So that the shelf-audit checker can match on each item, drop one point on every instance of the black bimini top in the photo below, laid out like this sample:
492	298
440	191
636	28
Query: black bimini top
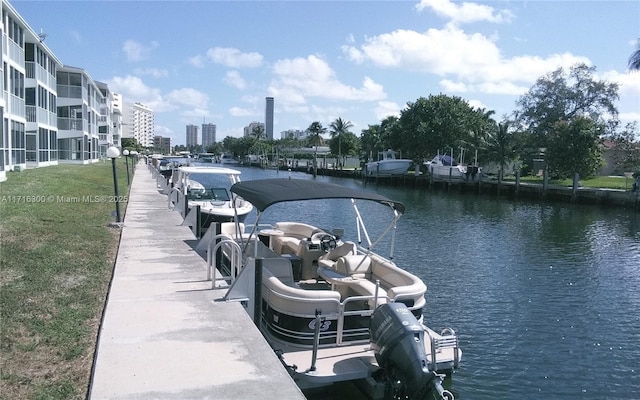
266	192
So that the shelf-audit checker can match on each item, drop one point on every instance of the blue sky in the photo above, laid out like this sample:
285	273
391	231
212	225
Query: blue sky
216	61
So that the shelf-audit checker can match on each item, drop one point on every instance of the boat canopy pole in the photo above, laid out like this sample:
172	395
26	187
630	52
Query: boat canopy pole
392	226
361	223
253	230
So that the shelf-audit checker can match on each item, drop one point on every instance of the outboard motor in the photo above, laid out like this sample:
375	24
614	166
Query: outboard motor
397	339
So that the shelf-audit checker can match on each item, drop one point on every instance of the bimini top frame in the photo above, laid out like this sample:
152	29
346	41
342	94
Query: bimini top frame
264	193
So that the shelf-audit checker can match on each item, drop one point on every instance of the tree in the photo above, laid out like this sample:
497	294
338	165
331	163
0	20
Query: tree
500	146
347	143
316	130
561	96
130	144
339	127
627	150
634	60
258	132
574	147
437	123
370	142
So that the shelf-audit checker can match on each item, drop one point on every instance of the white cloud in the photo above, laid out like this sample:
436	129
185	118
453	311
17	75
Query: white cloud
136	51
243	112
385	109
187	97
197	61
467	62
133	89
298	78
234	58
154	72
234	79
465	12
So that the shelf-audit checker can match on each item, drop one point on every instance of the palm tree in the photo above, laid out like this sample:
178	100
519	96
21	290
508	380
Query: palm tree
258	132
338	128
634	60
500	147
315	138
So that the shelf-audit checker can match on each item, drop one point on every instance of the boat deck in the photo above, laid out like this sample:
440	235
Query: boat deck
349	362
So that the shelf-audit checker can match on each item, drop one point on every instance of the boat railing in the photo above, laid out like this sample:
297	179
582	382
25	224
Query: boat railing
235	258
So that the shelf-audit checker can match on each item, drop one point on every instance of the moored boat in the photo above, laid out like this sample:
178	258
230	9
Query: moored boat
387	165
334	309
445	167
212	194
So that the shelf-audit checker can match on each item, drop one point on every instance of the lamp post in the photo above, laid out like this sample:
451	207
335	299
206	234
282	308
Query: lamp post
113	153
125	153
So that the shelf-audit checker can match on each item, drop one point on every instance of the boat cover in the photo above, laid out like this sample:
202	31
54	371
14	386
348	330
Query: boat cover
266	192
447	160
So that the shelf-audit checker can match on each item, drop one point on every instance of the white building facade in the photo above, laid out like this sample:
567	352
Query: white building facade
138	123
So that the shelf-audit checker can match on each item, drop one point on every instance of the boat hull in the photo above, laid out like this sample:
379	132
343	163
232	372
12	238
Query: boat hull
388	167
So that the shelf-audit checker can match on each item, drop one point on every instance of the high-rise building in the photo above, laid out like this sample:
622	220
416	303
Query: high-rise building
268	118
138	123
192	135
208	135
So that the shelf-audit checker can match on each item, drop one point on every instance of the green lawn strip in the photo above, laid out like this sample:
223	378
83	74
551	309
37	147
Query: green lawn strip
56	261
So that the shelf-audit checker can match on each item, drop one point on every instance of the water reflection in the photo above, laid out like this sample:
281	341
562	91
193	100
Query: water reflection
545	296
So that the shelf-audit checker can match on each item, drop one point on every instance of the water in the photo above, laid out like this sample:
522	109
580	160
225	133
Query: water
544	296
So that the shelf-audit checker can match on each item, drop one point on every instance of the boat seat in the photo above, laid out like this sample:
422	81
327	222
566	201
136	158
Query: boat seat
280	268
293	232
357	266
329	259
284	295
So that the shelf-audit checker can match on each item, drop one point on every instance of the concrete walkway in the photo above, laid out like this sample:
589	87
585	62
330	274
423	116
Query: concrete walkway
162	335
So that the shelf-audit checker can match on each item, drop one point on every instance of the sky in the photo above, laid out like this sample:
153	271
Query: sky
216	61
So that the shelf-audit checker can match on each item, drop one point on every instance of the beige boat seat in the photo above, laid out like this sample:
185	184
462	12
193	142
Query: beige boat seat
329	259
358	267
284	295
293	232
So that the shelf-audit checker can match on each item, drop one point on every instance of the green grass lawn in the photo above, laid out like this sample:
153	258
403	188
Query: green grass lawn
57	253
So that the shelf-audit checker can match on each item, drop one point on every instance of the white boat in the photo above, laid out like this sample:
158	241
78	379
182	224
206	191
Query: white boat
206	157
215	201
444	167
332	309
227	158
387	165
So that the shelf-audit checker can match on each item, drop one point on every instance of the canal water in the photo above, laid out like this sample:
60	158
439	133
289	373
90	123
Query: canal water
545	297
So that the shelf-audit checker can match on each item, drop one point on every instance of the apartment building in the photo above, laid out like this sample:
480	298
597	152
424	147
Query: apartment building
192	135
79	102
208	135
162	144
28	104
53	113
138	123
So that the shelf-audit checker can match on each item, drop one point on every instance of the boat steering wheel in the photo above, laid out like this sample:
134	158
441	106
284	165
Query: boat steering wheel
328	242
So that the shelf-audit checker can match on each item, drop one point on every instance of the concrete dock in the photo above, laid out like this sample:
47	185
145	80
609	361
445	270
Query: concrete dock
163	334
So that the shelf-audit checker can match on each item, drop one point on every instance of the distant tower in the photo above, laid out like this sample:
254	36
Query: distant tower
192	135
208	134
268	119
